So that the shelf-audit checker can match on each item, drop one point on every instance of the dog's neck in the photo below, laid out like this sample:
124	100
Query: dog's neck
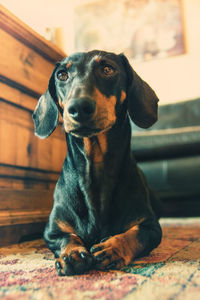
105	150
95	149
99	161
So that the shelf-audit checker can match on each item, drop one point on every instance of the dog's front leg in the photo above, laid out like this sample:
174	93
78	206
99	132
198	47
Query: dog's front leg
119	250
71	255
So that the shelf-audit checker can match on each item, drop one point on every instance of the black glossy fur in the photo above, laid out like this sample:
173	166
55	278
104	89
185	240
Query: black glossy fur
102	215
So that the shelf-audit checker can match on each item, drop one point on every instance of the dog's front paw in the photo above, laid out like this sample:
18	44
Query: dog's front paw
75	260
117	251
114	253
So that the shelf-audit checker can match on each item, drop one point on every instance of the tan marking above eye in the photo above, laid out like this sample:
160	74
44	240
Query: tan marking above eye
97	58
69	64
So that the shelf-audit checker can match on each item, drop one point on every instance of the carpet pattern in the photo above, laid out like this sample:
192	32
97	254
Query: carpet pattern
172	271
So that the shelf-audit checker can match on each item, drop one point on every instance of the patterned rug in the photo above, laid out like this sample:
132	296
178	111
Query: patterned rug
172	271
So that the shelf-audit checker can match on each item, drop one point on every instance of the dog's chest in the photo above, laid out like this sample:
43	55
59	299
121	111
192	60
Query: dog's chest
97	191
94	210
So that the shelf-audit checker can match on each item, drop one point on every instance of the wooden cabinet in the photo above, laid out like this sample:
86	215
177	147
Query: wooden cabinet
29	167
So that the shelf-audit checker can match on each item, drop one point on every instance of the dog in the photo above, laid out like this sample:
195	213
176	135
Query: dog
102	216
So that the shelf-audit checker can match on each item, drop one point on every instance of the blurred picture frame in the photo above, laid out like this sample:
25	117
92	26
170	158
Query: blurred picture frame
141	29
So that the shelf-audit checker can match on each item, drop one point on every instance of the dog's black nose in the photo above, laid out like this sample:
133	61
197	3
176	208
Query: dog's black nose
81	109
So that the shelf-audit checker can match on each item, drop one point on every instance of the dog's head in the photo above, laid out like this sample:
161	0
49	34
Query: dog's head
90	89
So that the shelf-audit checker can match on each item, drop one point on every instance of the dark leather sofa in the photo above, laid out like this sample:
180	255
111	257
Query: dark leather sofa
169	155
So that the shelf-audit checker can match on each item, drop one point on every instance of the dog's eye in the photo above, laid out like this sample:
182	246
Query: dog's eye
108	70
62	75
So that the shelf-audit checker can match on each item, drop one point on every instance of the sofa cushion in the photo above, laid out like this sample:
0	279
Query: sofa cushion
177	133
166	143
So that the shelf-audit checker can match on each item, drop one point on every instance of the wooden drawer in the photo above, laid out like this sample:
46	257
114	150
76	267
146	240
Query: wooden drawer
29	167
26	66
19	145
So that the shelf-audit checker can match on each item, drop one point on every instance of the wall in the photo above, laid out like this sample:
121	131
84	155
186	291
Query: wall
174	79
178	78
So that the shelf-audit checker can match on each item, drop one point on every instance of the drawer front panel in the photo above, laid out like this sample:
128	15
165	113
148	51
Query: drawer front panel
23	65
20	147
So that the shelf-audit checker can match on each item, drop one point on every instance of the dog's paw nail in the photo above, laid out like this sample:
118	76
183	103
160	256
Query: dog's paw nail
95	249
58	265
83	255
104	239
59	268
65	259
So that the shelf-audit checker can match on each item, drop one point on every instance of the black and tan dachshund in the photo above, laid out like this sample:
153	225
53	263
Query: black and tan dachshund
102	216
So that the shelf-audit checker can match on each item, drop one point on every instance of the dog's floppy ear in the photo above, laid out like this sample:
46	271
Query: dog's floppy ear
45	115
142	100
